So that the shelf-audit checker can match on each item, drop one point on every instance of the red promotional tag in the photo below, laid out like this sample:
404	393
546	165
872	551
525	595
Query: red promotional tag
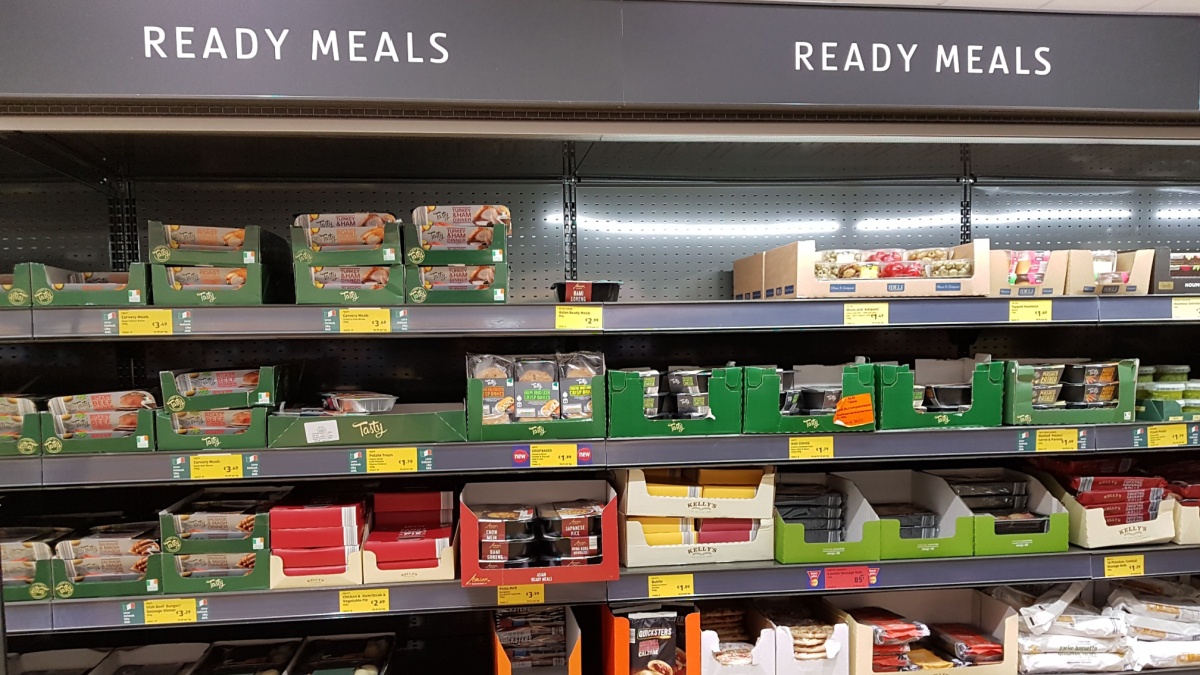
847	577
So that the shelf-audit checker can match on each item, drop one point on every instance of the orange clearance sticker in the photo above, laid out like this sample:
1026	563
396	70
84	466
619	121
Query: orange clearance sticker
855	411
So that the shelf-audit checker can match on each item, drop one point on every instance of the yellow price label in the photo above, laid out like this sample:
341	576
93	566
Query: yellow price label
1124	565
865	314
553	455
670	585
1056	440
1030	310
215	467
374	320
145	322
578	317
391	460
525	594
177	610
810	447
1187	309
1166	435
367	600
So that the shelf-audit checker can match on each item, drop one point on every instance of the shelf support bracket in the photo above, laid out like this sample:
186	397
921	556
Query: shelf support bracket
570	183
967	179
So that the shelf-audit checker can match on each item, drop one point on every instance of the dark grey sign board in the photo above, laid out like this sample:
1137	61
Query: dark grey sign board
595	53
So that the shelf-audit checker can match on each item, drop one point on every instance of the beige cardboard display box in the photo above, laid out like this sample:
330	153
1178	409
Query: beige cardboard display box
1054	279
1187	524
636	501
635	552
353	576
444	570
1089	529
81	660
187	653
1081	273
762	657
748	277
956	605
837	648
790	272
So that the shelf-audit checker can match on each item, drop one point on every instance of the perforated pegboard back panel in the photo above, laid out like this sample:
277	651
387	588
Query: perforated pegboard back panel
679	243
1086	161
535	249
60	223
1057	217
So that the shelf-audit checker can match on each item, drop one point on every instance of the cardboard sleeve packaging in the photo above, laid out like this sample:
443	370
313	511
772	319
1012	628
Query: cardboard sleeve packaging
1162	282
1081	274
534	493
862	527
995	618
956	522
1054	280
635	552
789	272
183	654
637	501
614	635
574	640
319	537
1089	529
1041	502
349	513
443	570
352	575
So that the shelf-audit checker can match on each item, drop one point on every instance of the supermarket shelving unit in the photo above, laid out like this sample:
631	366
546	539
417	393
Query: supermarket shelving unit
662	200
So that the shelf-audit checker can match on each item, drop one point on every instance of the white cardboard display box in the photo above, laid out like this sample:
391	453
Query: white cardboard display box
762	657
635	552
635	500
1089	529
187	653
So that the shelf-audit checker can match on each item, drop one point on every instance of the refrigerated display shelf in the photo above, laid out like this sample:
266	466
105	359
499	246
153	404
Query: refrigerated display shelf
466	458
93	323
766	578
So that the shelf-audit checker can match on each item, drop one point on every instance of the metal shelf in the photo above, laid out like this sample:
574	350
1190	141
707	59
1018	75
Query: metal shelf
158	467
466	458
315	603
720	580
88	323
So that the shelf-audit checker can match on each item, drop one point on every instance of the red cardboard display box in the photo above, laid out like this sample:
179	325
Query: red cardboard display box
532	493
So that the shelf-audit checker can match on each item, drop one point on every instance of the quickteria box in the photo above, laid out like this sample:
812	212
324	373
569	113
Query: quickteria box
220	246
17	293
57	287
377	244
141	440
627	407
855	409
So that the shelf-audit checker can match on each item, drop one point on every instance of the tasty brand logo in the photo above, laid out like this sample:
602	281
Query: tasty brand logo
416	254
370	429
38	591
207	296
538	430
304	256
212	442
26	446
677	427
216	583
350	296
44	296
17	296
53	445
812	424
64	589
176	403
418	295
161	254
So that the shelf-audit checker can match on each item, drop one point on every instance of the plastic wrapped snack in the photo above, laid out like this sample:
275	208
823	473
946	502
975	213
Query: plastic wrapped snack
324	220
457	277
1070	644
1155	606
1036	664
350	277
479	214
909	515
576	371
113	400
217	382
203	238
536	389
966	642
496	375
807	494
198	278
888	627
344	238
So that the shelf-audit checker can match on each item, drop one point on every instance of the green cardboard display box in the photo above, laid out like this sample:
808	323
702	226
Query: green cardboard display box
260	287
253	438
257	579
66	587
862	527
142	439
419	293
257	246
51	287
1041	502
175	538
577	429
956	523
627	417
1145	410
410	423
895	393
418	253
762	406
310	255
267	393
307	293
29	443
1018	398
16	287
41	588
